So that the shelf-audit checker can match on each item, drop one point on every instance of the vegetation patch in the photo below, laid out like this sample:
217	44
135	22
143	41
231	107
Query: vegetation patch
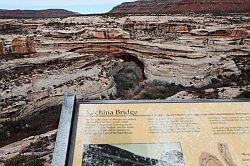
244	95
128	79
22	160
160	90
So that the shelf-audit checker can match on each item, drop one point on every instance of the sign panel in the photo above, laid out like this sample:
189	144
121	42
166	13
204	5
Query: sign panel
162	134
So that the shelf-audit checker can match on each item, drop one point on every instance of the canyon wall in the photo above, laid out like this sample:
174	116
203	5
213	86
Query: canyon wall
113	57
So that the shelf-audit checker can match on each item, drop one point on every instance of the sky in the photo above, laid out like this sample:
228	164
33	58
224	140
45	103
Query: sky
81	6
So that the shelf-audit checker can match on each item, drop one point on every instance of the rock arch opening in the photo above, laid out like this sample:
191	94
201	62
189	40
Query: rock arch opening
130	78
126	57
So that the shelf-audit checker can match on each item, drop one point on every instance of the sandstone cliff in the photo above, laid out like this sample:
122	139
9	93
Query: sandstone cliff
183	6
18	45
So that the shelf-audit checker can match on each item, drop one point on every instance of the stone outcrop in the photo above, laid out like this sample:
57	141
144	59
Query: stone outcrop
182	6
27	147
104	33
23	46
140	30
93	77
91	33
184	66
236	32
165	27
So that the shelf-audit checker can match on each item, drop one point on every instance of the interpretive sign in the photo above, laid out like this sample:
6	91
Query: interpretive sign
160	133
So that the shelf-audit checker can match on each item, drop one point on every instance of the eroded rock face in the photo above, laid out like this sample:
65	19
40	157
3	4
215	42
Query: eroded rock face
187	67
239	32
23	46
70	72
105	34
164	27
90	51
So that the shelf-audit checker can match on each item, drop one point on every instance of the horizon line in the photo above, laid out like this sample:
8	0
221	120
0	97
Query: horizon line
87	9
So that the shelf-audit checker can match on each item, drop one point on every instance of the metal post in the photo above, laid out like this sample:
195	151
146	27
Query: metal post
60	155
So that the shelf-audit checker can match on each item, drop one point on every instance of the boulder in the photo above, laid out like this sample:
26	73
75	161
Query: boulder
117	33
97	34
23	46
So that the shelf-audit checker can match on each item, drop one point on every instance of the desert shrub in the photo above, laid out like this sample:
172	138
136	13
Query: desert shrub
160	90
127	79
217	12
245	94
39	145
21	160
15	127
12	126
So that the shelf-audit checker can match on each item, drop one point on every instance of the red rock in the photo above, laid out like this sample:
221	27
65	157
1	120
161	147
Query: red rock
117	34
239	33
2	49
182	6
105	34
23	46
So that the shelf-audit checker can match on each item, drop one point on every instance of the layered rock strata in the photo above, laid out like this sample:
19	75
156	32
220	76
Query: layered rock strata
182	6
23	46
90	33
176	53
108	57
20	46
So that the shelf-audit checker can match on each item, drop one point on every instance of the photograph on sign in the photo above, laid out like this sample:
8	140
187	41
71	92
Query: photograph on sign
133	154
158	134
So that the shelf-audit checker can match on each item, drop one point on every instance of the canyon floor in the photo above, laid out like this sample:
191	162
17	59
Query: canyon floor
112	56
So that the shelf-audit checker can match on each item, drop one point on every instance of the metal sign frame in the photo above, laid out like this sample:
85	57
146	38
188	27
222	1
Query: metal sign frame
64	146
